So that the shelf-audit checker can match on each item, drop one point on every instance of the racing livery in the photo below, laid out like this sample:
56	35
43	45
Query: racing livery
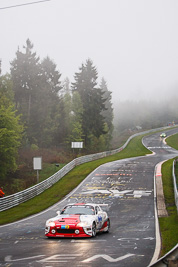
78	220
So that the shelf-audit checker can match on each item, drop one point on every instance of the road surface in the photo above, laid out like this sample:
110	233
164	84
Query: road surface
127	186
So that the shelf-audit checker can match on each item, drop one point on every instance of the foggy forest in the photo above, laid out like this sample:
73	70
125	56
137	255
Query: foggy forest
41	111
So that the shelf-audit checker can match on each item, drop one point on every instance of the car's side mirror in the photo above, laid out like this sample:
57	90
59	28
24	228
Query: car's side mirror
58	212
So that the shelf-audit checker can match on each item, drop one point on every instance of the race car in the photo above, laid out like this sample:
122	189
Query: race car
163	135
78	220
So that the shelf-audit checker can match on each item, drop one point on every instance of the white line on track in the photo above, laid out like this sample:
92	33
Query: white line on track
108	258
87	241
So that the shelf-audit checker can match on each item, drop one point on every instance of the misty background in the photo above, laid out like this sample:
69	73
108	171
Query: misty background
91	71
133	44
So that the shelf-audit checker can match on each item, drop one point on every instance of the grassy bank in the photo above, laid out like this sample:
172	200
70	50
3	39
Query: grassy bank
168	225
173	141
68	183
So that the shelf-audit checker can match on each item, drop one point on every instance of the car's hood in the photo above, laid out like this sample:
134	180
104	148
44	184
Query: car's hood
67	219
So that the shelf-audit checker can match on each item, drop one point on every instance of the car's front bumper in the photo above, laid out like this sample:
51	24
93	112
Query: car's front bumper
69	232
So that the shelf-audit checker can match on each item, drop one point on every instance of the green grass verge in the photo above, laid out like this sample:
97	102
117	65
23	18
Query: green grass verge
48	170
68	183
173	141
168	225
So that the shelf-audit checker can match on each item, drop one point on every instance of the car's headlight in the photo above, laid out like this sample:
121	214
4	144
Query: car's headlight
50	223
83	224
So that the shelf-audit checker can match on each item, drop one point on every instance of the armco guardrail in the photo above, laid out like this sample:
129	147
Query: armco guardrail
170	259
175	183
20	197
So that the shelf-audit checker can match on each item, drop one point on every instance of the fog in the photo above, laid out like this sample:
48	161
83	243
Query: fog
133	43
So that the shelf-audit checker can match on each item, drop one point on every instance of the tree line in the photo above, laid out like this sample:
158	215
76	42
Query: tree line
146	114
38	109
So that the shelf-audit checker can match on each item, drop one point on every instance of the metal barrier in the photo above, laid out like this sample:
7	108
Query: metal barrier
22	196
170	259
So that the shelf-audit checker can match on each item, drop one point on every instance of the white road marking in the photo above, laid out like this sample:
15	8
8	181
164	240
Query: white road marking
108	258
86	241
117	193
128	242
128	239
9	258
97	191
138	193
60	258
120	192
137	196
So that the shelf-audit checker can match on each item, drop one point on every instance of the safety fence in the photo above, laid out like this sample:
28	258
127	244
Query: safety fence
22	196
170	259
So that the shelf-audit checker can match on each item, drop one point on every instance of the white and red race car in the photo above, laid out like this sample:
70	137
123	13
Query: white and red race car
78	220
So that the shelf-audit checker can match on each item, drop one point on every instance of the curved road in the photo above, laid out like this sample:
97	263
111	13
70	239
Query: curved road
127	186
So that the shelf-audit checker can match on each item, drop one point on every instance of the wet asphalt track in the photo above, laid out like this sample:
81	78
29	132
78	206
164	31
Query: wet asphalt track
127	186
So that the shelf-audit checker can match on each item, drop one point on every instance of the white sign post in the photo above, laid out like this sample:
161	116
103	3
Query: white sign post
37	165
77	144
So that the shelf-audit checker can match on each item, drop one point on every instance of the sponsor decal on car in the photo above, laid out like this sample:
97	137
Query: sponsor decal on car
64	226
100	218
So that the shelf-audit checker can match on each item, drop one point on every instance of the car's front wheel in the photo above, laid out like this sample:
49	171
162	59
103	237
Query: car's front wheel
93	229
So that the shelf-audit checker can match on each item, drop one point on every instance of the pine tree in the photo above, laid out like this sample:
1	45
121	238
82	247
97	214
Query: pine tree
50	101
51	77
36	87
25	73
108	112
76	132
92	100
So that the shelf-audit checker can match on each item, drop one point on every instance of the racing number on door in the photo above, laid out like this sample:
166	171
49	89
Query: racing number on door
99	217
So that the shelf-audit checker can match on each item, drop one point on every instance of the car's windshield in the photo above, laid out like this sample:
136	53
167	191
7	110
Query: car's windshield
81	210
